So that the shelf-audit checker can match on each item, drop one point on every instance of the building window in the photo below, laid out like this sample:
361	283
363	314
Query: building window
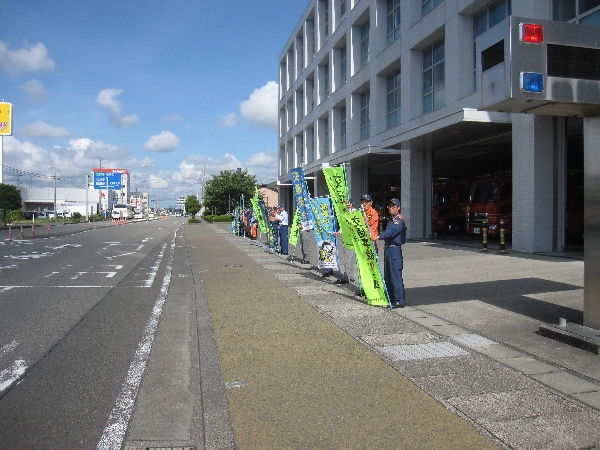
300	143
586	12
326	17
428	5
365	118
393	20
326	136
494	14
393	99
364	44
326	89
342	7
434	95
343	128
343	68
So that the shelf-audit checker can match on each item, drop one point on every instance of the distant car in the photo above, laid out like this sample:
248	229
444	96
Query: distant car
64	214
138	215
178	214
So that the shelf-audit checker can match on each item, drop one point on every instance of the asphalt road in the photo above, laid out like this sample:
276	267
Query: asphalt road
78	314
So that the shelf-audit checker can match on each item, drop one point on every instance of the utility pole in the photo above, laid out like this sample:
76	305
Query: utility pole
55	192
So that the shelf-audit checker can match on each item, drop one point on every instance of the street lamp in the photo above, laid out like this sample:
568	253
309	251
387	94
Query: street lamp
148	166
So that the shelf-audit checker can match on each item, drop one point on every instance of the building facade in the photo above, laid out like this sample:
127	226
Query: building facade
389	88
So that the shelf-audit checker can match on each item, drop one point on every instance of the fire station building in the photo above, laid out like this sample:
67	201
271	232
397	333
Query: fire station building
393	90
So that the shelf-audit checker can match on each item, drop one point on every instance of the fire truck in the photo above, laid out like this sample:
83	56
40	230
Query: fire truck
449	204
490	200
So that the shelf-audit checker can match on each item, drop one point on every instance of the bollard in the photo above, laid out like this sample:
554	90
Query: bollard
89	224
48	230
32	231
502	241
9	233
21	233
484	232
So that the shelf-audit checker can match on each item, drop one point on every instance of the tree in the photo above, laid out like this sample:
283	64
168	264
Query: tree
223	191
10	198
192	205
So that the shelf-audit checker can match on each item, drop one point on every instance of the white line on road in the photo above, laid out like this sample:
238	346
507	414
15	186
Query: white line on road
154	268
8	348
13	373
118	421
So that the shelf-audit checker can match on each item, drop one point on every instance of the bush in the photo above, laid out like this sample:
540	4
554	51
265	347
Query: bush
14	215
193	220
212	219
95	217
77	217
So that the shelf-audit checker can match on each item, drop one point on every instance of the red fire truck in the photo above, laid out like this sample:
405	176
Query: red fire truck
490	200
449	204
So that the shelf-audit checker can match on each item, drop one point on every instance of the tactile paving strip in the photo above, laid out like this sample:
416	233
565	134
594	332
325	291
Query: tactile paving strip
424	351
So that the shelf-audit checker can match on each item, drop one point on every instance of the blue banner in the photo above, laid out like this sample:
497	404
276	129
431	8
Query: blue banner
107	181
324	227
301	195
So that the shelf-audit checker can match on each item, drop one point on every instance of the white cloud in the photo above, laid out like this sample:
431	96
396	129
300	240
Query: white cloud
41	129
107	99
35	91
163	142
228	121
261	108
23	155
32	59
267	159
170	118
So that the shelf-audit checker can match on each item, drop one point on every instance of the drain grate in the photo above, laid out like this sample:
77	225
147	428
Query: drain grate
472	340
187	447
424	351
234	265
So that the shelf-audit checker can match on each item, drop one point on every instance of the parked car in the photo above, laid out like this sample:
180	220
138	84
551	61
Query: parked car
64	214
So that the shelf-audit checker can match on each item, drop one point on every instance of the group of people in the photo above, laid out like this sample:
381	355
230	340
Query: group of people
278	216
393	236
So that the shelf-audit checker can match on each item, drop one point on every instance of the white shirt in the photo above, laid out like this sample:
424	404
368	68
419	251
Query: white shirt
283	217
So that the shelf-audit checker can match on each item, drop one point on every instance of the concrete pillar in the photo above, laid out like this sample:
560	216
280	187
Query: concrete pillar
416	189
533	179
591	272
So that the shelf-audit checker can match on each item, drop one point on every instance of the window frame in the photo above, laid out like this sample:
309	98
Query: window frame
365	115
434	69
393	20
393	115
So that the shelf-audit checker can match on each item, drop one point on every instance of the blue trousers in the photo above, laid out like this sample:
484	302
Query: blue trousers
393	274
283	238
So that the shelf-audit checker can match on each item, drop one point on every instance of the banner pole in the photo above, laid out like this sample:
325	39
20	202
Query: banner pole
377	259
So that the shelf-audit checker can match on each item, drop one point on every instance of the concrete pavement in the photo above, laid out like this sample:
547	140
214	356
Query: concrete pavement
462	367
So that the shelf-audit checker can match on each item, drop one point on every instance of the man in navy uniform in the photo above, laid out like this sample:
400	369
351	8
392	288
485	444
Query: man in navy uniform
394	236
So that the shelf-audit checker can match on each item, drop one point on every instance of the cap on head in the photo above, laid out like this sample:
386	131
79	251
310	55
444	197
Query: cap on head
394	202
282	206
350	201
366	198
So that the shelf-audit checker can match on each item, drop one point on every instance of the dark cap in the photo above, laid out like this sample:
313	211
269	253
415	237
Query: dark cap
366	197
350	200
282	206
394	201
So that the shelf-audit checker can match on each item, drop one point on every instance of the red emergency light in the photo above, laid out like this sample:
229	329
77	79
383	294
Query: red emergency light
532	33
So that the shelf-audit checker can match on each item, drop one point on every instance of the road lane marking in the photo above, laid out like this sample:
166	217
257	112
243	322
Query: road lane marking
140	247
118	421
8	348
11	374
8	288
150	280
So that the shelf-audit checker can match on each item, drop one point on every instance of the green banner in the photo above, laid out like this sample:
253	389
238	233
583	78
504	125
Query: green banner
335	177
354	225
295	231
259	215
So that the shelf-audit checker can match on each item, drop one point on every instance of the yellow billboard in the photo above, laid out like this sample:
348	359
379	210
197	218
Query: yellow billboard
5	119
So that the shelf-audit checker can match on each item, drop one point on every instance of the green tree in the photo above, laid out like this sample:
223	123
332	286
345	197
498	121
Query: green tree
10	198
192	205
223	191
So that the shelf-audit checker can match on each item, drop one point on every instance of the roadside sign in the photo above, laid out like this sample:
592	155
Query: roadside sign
107	181
5	119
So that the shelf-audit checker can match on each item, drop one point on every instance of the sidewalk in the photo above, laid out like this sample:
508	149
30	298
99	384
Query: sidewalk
323	369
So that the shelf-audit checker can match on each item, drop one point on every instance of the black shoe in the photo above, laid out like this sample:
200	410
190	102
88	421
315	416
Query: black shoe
397	305
360	293
342	281
327	274
304	261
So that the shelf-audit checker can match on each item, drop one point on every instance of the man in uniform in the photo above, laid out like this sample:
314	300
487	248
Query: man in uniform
394	236
282	219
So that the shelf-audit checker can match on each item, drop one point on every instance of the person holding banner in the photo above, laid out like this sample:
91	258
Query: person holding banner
349	255
303	237
366	204
394	236
281	218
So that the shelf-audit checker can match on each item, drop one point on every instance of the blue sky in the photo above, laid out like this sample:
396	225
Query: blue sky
177	85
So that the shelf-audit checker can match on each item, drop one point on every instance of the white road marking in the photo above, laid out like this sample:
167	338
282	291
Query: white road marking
154	268
140	247
8	288
8	348
11	374
64	246
118	421
33	255
117	256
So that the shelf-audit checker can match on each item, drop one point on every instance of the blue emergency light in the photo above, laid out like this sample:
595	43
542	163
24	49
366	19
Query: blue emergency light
532	82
